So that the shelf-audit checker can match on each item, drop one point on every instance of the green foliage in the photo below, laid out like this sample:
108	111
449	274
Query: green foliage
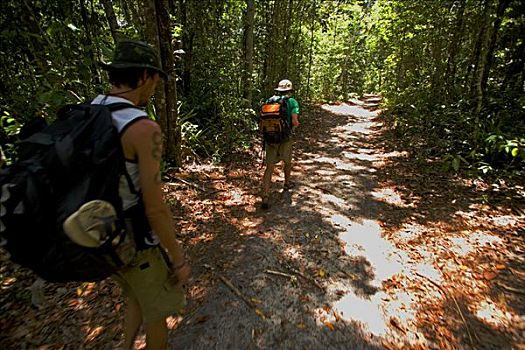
431	58
453	87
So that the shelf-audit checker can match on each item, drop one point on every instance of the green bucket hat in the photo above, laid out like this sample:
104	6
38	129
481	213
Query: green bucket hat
134	54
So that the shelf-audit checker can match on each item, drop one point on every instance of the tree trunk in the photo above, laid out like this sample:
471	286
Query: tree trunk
36	51
248	51
286	46
138	16
310	58
187	45
450	74
88	41
502	6
473	68
112	19
271	59
152	35
172	130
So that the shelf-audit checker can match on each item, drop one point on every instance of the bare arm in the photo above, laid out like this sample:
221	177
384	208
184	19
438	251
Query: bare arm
295	119
143	140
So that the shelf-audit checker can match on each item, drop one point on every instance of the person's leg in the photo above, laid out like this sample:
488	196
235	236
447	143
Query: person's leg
132	322
287	172
156	335
287	157
267	179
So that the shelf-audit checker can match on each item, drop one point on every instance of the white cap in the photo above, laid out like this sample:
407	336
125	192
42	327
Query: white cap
284	85
90	225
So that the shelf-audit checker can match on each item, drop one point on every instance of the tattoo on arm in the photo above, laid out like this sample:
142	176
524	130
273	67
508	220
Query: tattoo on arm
157	145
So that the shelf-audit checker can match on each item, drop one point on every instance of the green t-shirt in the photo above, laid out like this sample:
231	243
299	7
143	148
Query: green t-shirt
293	106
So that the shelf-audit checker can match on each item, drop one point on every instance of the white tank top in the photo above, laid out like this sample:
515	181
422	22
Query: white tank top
121	119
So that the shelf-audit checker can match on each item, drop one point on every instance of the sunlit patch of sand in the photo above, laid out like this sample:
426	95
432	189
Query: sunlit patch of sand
368	312
351	167
359	156
377	311
402	307
330	198
461	246
484	238
389	196
326	160
504	220
345	109
324	172
409	231
364	239
488	312
426	270
468	243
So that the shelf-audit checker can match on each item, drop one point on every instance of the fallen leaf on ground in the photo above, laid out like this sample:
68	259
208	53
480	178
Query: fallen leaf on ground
489	275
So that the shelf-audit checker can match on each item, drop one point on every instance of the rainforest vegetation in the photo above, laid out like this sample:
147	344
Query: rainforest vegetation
451	72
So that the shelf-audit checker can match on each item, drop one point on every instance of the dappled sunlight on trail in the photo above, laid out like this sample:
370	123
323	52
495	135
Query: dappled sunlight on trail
349	110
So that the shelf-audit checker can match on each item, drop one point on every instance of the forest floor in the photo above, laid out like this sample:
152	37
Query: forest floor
374	248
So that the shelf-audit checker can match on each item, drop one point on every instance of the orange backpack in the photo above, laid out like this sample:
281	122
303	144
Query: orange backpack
273	121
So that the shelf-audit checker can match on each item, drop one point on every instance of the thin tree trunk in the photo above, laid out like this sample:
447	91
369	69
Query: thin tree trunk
311	50
473	68
172	130
37	50
187	45
286	46
248	50
112	19
138	16
271	54
478	78
88	40
152	35
450	74
502	6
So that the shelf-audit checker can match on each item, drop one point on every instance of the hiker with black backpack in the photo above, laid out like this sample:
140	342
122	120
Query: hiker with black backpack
278	118
153	280
83	201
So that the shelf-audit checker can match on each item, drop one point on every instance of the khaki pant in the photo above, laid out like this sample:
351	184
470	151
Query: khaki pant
276	153
146	279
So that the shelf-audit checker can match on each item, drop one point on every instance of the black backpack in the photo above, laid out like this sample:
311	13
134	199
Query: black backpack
76	159
273	121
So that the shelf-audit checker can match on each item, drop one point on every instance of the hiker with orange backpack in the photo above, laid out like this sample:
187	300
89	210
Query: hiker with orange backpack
279	117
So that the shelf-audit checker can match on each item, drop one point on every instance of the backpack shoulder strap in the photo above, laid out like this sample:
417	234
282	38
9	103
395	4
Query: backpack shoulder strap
123	125
113	107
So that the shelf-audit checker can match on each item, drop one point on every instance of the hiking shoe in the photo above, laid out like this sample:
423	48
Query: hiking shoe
288	186
265	204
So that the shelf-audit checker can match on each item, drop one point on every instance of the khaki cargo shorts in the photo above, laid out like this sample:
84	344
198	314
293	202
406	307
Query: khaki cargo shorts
276	153
146	279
